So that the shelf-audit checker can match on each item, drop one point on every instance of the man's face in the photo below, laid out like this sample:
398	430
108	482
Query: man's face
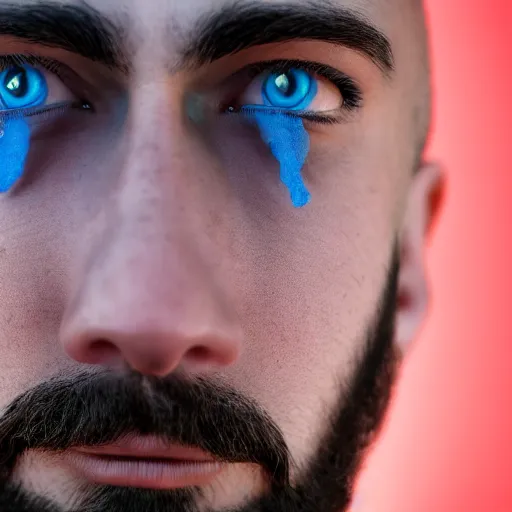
156	283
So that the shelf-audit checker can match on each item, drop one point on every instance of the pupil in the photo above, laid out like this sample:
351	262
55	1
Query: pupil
16	82
286	84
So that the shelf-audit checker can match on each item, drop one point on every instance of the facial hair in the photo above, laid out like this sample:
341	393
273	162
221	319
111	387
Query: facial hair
80	411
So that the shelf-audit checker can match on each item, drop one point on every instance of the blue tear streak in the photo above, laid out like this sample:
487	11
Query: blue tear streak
14	147
289	142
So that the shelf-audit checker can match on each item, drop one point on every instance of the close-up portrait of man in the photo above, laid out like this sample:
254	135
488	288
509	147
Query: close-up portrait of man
213	217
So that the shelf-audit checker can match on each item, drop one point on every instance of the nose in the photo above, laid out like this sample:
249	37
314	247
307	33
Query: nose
136	313
153	295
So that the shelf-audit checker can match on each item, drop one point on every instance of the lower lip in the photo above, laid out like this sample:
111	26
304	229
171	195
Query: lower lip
143	473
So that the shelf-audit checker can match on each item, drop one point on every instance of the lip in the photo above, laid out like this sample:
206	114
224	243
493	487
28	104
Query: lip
146	462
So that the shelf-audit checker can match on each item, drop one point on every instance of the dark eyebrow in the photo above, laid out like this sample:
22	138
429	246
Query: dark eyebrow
77	28
81	29
240	25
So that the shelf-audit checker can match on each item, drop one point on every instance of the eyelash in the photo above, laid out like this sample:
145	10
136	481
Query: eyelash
349	90
53	66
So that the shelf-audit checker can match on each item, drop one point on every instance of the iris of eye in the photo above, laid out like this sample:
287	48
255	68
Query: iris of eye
16	82
293	90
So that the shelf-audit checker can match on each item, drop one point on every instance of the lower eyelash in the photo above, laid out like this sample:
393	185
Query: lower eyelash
326	118
41	113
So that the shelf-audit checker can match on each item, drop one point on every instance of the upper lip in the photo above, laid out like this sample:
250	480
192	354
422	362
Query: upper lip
147	447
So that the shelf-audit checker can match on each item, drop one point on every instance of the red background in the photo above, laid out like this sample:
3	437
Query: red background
447	444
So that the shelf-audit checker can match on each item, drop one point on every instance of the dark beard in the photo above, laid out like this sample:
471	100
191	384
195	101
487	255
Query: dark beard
191	413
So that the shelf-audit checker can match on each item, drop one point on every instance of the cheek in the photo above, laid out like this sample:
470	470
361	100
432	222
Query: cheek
308	290
34	259
42	222
308	296
29	313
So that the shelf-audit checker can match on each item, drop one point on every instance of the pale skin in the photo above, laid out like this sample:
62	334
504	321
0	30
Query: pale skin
138	245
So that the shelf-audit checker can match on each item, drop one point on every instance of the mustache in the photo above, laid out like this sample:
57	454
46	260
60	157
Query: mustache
96	409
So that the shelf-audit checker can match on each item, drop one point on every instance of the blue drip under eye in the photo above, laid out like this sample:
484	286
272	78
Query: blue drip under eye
285	134
295	89
22	87
288	141
14	145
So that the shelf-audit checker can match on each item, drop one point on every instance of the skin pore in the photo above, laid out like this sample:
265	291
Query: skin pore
154	277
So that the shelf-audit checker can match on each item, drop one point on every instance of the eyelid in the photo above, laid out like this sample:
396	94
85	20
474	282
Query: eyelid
327	117
67	76
348	87
236	84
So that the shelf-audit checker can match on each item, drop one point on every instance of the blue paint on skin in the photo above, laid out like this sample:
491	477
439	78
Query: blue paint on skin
288	141
285	135
14	146
21	86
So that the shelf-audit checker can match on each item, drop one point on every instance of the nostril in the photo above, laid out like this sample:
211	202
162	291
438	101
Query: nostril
150	347
200	354
102	351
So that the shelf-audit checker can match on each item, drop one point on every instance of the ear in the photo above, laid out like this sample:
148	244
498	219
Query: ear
424	201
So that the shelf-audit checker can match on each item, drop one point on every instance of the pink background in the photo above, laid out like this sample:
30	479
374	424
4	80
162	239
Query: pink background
447	445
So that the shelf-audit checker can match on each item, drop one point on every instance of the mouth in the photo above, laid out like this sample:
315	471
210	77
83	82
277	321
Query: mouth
144	462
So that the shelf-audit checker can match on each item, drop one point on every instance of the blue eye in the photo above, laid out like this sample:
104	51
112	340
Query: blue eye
22	87
295	90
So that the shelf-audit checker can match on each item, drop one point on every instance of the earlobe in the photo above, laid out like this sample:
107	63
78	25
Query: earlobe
424	202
